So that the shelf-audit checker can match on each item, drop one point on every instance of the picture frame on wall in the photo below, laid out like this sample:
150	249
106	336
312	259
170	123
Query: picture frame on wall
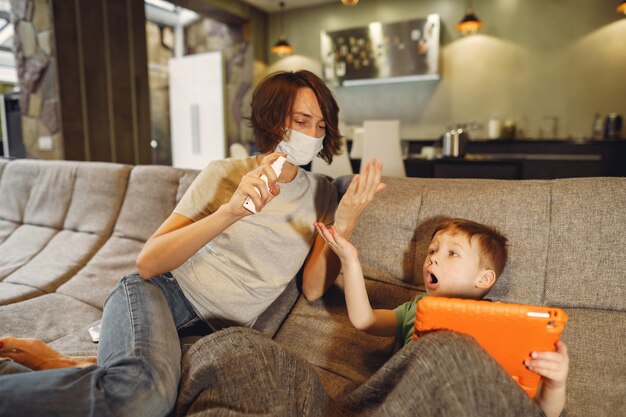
382	52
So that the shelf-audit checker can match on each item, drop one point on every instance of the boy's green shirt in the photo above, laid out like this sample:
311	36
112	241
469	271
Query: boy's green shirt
405	316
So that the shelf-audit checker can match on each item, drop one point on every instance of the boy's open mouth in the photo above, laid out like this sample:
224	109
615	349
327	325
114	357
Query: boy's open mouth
433	282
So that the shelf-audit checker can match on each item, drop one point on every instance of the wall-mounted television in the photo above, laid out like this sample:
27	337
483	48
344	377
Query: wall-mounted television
382	52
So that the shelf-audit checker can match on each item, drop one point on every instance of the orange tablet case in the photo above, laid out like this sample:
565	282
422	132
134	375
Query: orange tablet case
508	332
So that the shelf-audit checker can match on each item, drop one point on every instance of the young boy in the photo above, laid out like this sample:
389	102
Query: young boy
463	261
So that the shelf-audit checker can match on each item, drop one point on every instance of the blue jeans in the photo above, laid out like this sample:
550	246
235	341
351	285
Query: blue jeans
138	367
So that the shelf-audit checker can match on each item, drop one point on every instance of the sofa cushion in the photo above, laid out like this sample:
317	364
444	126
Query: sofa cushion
587	242
519	209
21	246
595	342
93	284
404	214
150	199
322	332
16	186
77	342
64	255
188	175
48	317
98	193
12	293
274	315
6	228
37	193
35	198
55	217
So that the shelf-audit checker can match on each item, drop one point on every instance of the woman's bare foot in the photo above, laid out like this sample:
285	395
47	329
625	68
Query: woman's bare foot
36	355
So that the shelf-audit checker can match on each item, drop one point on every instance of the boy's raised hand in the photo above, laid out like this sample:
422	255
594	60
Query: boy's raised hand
342	247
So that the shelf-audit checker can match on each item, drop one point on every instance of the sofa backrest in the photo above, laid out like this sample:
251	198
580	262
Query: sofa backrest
541	219
151	195
76	227
3	164
566	242
54	215
585	258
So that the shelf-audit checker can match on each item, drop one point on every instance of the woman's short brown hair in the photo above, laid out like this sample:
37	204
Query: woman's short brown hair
273	100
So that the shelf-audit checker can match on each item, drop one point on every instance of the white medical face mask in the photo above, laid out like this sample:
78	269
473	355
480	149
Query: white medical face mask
300	148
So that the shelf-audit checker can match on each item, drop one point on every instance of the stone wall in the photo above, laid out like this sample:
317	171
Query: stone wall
40	95
37	78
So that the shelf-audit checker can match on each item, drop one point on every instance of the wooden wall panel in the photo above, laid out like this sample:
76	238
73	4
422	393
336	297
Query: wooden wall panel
141	82
103	80
91	31
70	93
120	80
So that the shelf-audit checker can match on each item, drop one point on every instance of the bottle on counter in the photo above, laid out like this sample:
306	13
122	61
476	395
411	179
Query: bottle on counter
494	128
509	129
598	127
613	126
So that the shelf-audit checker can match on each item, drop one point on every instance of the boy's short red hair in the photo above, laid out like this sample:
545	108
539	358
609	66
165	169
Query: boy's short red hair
492	244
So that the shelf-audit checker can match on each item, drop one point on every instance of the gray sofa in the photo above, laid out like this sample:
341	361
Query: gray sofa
70	230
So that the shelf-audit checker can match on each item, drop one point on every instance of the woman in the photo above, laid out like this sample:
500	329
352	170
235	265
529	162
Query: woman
211	260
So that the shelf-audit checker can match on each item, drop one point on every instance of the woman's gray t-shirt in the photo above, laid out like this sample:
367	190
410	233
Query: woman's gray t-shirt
236	276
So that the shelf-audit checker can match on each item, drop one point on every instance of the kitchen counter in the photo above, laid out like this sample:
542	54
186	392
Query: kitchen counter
521	159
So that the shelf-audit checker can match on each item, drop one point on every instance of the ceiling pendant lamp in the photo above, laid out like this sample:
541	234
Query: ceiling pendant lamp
470	24
282	46
349	2
622	7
